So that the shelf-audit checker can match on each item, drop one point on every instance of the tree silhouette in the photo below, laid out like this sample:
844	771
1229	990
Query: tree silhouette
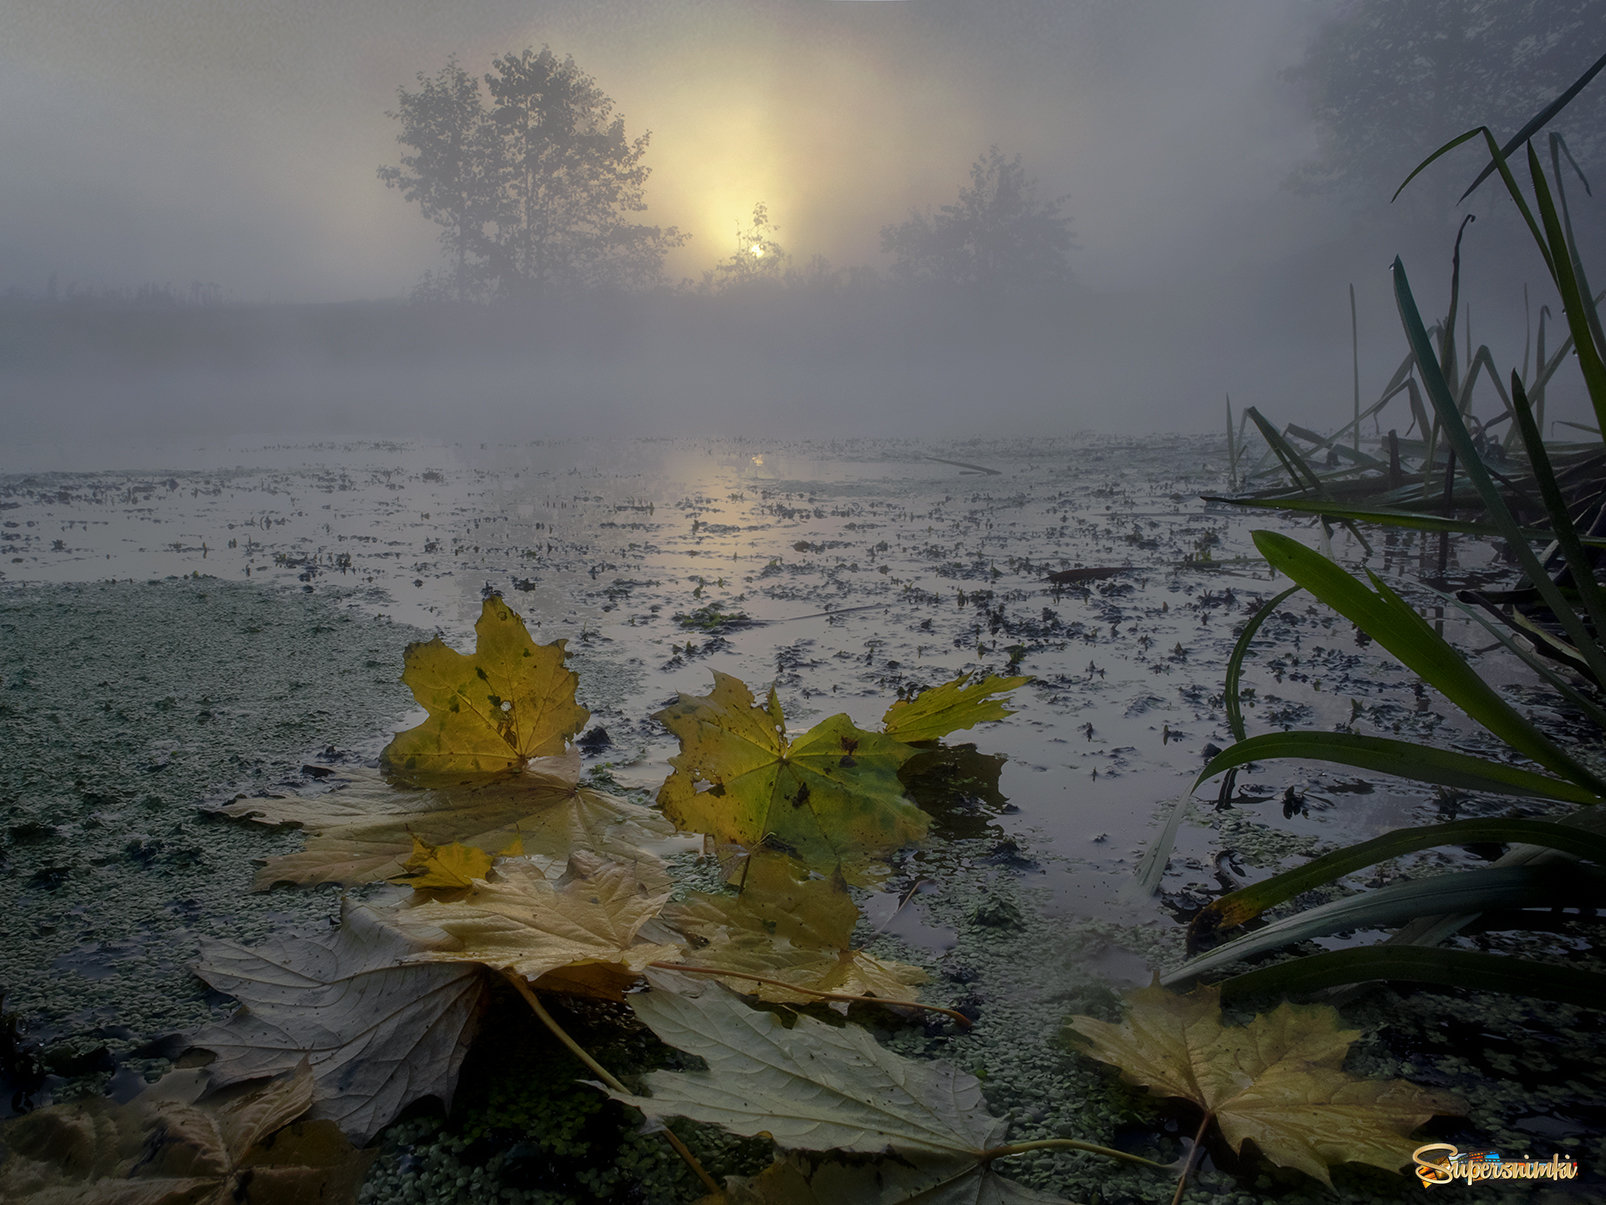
454	171
998	237
1389	80
534	193
757	257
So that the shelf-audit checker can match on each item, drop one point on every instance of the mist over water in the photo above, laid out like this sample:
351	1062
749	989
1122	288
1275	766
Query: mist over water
199	246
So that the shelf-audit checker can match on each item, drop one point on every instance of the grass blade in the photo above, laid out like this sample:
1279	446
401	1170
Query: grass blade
1402	759
1386	618
1230	911
1534	124
1482	890
1235	663
1472	464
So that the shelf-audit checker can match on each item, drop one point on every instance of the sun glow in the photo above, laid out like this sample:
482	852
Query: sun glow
758	250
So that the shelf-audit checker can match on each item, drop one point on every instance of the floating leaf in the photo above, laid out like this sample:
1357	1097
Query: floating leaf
584	925
1276	1081
934	713
796	930
167	1146
815	1087
365	831
511	701
378	1034
448	867
828	795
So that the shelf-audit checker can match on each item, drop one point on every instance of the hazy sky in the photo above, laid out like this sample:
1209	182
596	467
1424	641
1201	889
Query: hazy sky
237	141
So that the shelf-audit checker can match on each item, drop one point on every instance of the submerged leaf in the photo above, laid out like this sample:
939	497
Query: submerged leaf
934	713
1276	1081
365	831
782	927
168	1145
494	710
378	1034
584	925
828	795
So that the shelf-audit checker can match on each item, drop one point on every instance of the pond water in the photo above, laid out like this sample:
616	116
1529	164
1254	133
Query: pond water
867	569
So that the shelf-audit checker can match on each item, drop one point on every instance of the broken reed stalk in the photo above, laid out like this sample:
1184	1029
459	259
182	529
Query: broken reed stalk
602	1073
847	997
1355	363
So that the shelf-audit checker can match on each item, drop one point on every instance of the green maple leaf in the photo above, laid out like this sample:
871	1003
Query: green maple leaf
830	794
1275	1081
934	713
510	701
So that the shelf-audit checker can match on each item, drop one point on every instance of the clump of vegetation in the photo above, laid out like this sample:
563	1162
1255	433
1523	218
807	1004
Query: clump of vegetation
1553	623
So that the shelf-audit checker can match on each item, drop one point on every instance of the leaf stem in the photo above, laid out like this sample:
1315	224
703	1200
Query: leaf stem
1187	1167
810	991
523	988
1069	1144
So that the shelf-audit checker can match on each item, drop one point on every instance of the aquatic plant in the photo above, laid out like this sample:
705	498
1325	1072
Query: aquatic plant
1548	864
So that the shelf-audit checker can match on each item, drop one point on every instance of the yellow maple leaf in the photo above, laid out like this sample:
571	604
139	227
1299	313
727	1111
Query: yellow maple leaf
831	793
446	867
793	928
1275	1081
510	701
934	713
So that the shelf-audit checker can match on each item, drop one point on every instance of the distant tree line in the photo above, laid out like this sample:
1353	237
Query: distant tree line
536	186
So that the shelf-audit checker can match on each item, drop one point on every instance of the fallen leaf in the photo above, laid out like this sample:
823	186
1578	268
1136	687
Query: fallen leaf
815	1087
365	831
831	794
449	867
378	1031
935	712
168	1146
494	710
584	925
799	930
1275	1081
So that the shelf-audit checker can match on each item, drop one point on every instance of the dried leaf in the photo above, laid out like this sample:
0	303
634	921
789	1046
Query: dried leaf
815	1087
584	925
378	1032
492	711
787	928
833	793
169	1147
365	831
1276	1081
934	713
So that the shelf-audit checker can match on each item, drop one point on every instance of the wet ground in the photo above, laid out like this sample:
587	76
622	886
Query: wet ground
214	619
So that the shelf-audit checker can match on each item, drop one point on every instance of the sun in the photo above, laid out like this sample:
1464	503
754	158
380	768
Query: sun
758	250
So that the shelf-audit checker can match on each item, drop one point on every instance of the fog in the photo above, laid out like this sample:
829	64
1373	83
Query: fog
194	239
